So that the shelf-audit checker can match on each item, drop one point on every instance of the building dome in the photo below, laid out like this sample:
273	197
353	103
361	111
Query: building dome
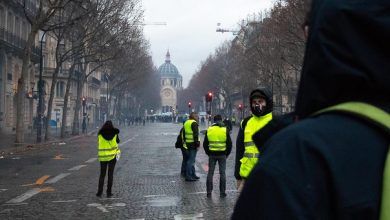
168	69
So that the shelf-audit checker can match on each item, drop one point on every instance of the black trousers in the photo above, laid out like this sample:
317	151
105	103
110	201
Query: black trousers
103	170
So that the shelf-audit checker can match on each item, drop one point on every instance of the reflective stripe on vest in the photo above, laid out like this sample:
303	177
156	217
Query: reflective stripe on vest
382	119
189	134
107	149
217	138
251	152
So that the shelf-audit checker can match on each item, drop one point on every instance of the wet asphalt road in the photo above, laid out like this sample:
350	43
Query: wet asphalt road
60	181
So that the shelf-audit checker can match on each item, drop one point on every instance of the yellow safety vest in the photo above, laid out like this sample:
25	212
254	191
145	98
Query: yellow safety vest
382	119
107	149
189	133
251	153
182	139
217	138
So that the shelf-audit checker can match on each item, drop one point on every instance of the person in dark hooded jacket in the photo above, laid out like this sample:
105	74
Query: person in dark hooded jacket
330	165
107	150
246	151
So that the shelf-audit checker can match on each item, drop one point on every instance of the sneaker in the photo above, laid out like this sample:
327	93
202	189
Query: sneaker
222	195
191	179
208	195
99	194
196	177
109	195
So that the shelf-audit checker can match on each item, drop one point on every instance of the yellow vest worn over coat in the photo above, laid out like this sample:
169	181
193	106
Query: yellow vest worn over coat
381	119
189	133
107	149
251	152
217	138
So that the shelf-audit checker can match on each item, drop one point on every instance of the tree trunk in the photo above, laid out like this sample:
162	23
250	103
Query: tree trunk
21	91
50	102
66	98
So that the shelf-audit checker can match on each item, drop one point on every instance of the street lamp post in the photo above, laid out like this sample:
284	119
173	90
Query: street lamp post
40	94
106	76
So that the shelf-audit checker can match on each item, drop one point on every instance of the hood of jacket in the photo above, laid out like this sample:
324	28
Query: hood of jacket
109	134
267	95
346	57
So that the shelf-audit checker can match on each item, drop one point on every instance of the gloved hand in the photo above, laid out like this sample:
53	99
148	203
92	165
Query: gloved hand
197	144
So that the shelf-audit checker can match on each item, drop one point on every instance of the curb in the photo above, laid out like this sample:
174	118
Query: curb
23	147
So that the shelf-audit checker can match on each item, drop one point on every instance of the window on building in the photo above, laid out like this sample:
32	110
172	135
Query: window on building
60	89
2	18
10	24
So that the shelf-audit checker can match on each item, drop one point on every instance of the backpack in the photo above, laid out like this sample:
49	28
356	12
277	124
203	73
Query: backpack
381	119
179	140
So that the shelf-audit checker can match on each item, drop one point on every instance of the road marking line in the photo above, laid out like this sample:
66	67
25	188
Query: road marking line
98	206
22	203
77	167
26	195
131	139
189	217
57	178
194	193
91	160
2	190
65	201
149	196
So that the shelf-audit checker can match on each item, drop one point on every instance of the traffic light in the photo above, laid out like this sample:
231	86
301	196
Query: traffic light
189	104
209	97
240	107
84	101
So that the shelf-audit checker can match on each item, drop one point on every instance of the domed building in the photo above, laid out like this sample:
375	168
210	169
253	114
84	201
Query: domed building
171	82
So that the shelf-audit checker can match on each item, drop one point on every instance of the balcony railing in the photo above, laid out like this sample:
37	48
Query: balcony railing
11	40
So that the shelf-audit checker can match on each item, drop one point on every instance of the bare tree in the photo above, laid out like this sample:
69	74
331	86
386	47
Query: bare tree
39	17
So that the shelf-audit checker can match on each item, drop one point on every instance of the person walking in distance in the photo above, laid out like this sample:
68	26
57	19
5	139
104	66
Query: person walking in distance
191	139
217	144
246	151
107	152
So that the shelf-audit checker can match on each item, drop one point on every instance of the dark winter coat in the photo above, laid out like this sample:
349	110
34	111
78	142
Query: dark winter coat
329	166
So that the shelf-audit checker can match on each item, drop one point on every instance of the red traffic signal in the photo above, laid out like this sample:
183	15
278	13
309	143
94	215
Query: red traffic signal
209	97
84	101
189	104
240	106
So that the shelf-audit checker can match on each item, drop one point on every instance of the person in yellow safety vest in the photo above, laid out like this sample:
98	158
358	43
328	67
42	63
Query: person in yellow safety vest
180	143
333	162
191	140
217	144
246	151
107	150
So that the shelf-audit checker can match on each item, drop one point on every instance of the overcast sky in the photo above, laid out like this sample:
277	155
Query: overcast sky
190	33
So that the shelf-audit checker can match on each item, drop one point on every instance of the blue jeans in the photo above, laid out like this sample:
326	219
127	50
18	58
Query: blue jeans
222	175
184	152
190	168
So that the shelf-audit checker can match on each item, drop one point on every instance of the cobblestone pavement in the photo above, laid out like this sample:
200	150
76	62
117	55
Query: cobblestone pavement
59	181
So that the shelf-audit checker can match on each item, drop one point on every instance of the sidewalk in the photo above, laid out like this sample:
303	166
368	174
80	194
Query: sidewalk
8	145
